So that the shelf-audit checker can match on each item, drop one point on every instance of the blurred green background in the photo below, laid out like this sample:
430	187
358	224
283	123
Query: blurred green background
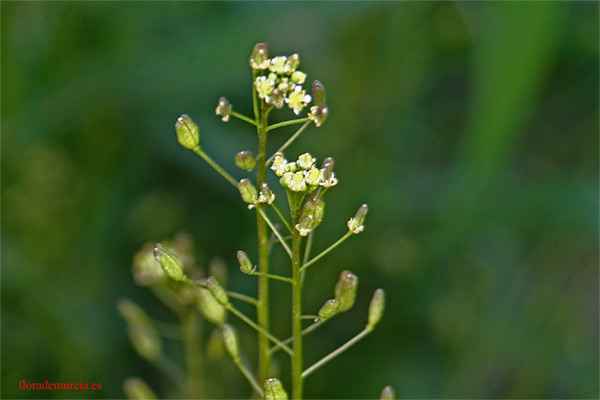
470	129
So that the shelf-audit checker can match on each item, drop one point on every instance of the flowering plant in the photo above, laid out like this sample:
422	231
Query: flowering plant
277	82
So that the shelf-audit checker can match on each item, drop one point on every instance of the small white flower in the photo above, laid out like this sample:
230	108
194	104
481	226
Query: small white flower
354	227
279	65
327	182
284	85
264	86
306	161
312	177
291	167
296	182
280	164
298	99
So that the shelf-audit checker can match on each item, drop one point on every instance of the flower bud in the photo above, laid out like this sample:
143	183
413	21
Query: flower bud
259	59
169	262
387	393
188	133
293	62
345	290
245	160
223	108
274	390
298	77
230	339
319	114
266	195
376	308
210	309
143	335
356	224
245	263
329	309
318	93
146	271
248	192
137	389
217	291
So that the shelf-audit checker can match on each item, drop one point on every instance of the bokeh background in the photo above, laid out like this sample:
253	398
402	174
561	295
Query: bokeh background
470	129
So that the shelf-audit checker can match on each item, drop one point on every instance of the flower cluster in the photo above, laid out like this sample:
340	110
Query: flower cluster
278	81
302	175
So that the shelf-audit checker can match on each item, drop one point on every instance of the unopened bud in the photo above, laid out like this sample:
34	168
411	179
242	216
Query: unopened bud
245	263
188	133
217	291
248	192
146	271
293	61
298	77
319	114
355	224
137	389
169	262
345	290
329	309
376	308
259	59
245	160
230	340
387	393
266	195
318	93
142	334
223	108
210	309
274	390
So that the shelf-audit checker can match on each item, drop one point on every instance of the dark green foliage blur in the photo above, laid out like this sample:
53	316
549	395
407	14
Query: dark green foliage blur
470	129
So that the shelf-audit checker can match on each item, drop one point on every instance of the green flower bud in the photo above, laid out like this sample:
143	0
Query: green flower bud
274	390
248	192
356	224
329	309
305	226
318	93
146	271
245	263
266	195
245	160
259	59
319	114
217	291
298	77
142	334
223	108
230	339
345	290
210	309
188	133
387	393
137	389
169	262
376	308
293	62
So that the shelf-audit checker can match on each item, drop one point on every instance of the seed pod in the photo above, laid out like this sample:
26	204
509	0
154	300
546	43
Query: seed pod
316	209
387	393
230	340
274	390
259	59
217	291
345	290
318	93
137	389
376	308
223	109
355	224
329	309
304	227
245	263
319	114
248	192
188	133
142	334
210	309
245	160
169	262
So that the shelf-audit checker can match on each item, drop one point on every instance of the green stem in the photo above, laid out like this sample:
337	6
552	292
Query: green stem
258	328
305	331
242	117
242	297
327	250
275	231
246	372
278	211
198	150
289	141
296	315
287	123
276	277
336	352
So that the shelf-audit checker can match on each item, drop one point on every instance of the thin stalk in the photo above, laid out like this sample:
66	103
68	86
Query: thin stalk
287	123
305	332
242	297
258	328
336	352
246	372
271	276
170	369
190	331
327	250
198	150
289	141
242	117
297	379
278	211
275	231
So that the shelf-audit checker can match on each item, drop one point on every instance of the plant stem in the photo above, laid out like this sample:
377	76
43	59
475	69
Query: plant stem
242	297
327	250
262	309
276	277
242	117
286	123
296	314
190	331
287	225
289	141
275	231
336	352
246	372
198	150
305	331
